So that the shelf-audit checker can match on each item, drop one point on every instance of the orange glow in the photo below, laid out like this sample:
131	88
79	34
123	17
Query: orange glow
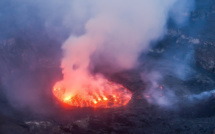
111	95
105	98
95	102
67	98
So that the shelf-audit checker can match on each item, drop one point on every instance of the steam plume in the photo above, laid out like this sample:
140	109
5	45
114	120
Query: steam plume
109	34
115	33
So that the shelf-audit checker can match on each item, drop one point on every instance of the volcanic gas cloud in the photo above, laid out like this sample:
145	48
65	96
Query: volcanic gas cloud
114	33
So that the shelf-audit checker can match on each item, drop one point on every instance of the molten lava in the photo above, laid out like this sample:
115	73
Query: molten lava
104	95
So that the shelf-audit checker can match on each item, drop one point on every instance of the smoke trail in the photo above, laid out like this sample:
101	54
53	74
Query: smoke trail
201	97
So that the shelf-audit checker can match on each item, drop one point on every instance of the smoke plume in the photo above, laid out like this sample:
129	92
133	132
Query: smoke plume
115	33
97	36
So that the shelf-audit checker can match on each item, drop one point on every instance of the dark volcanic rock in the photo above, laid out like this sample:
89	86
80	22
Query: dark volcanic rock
206	57
30	52
11	126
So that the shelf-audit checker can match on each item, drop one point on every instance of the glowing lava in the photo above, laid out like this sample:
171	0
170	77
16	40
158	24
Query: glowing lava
104	95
